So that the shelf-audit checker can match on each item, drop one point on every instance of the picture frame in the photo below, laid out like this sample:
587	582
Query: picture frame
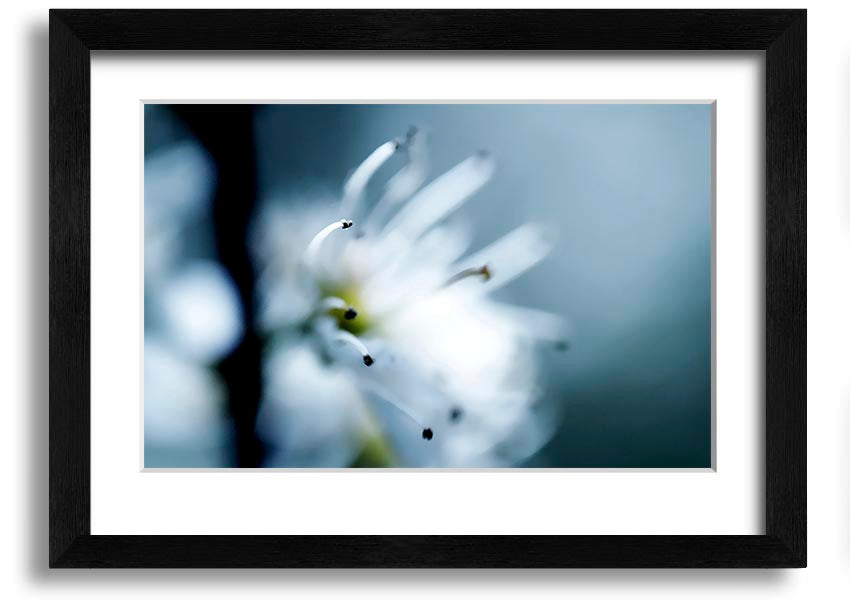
780	34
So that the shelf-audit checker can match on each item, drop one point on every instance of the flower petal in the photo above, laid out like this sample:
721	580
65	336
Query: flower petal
403	184
359	178
202	311
310	415
442	196
509	257
185	413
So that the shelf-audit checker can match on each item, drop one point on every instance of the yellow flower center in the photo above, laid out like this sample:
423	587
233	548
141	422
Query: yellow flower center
349	294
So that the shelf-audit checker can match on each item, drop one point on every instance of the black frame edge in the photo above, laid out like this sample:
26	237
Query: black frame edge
428	29
579	551
74	33
70	268
785	295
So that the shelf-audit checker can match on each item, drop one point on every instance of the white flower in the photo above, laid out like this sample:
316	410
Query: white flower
201	311
385	345
192	315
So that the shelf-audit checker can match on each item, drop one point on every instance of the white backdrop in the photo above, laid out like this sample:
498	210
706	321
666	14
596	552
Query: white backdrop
125	500
23	235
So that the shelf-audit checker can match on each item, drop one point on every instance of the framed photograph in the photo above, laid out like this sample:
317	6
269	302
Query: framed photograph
383	288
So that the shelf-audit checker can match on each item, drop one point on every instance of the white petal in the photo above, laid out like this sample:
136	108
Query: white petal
403	431
418	269
442	196
386	398
179	183
282	302
359	179
530	322
314	248
404	183
448	332
311	415
442	245
185	413
509	257
202	311
407	180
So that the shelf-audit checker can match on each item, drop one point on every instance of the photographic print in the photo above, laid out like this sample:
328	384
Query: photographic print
428	285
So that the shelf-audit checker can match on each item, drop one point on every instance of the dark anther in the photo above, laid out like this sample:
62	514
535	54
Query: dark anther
368	360
349	313
427	434
346	223
455	414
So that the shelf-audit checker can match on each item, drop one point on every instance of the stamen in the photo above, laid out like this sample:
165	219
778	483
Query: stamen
353	340
514	254
427	432
404	183
315	245
331	303
359	179
482	271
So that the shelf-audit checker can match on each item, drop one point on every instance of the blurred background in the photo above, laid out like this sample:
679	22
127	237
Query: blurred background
626	190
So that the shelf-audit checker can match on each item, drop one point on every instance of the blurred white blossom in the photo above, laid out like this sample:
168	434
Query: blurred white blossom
201	310
385	346
192	314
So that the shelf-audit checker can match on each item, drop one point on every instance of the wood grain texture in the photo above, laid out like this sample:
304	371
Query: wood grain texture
69	264
437	551
785	296
781	33
467	29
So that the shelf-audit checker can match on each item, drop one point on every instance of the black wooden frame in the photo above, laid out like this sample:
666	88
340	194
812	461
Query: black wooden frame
780	33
